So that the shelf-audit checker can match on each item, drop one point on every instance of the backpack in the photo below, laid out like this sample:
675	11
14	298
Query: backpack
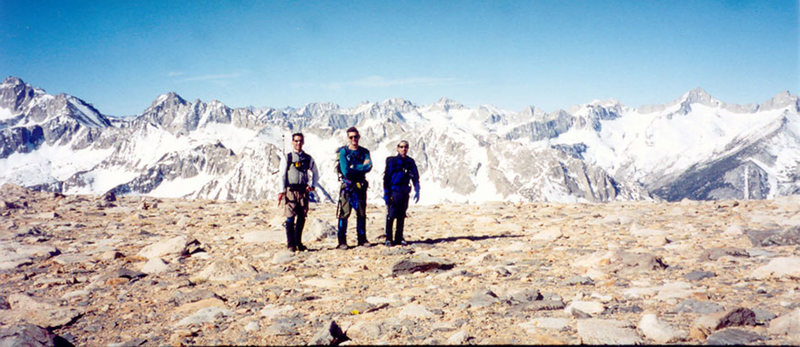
336	168
304	162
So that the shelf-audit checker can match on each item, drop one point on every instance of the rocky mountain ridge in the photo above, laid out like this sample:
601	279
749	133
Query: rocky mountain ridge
602	151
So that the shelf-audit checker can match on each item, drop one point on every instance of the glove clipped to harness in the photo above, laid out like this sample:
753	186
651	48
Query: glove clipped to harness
416	197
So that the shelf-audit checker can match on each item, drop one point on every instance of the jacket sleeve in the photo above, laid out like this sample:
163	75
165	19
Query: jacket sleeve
343	161
361	167
387	175
314	174
282	172
415	175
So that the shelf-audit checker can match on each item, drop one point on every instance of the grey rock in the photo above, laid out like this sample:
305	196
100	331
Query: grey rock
640	261
698	307
483	298
606	332
420	263
330	334
767	238
29	335
763	316
204	315
699	275
716	253
787	324
733	337
576	280
525	296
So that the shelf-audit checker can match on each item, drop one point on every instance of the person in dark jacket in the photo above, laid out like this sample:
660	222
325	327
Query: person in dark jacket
401	171
295	168
354	164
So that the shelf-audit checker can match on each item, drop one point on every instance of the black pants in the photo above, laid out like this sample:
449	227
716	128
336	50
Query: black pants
398	205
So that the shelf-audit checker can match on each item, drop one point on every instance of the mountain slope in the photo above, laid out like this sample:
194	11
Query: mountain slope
693	147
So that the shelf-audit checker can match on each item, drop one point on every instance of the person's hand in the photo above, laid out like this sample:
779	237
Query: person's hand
309	189
416	197
366	161
386	197
280	197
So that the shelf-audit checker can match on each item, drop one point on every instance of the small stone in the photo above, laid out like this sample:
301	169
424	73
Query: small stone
155	266
708	324
420	263
782	267
659	331
459	338
733	337
606	332
578	280
592	308
414	311
28	335
699	275
483	298
699	307
787	324
330	334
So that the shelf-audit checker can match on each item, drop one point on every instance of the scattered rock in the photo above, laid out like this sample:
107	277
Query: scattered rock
483	298
606	332
698	307
699	275
592	308
659	331
29	335
578	280
420	263
414	311
716	253
459	338
782	267
224	270
708	324
766	238
330	334
47	315
733	337
174	245
155	266
787	324
204	315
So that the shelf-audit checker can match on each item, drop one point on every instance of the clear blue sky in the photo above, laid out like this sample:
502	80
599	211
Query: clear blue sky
120	55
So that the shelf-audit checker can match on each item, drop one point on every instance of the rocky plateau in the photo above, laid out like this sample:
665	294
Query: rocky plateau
135	270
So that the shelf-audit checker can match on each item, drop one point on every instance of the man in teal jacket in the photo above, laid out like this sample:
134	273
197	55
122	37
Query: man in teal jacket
354	163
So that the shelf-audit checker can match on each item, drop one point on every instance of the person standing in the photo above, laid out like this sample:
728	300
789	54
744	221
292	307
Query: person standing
401	170
295	169
354	164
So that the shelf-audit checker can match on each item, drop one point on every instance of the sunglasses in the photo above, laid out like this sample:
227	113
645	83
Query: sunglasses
355	137
402	146
301	141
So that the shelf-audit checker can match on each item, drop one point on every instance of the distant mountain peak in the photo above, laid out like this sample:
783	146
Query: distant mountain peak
781	100
447	104
699	95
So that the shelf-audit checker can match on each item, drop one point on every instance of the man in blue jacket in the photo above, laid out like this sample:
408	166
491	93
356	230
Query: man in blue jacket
401	170
354	163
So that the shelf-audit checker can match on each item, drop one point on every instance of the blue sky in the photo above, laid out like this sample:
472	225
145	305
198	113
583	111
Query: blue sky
120	55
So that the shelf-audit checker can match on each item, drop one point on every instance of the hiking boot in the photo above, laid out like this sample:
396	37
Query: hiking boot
401	243
342	246
388	243
302	248
291	248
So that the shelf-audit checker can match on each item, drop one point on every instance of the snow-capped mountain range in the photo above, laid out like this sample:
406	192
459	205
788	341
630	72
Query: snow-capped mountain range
694	147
